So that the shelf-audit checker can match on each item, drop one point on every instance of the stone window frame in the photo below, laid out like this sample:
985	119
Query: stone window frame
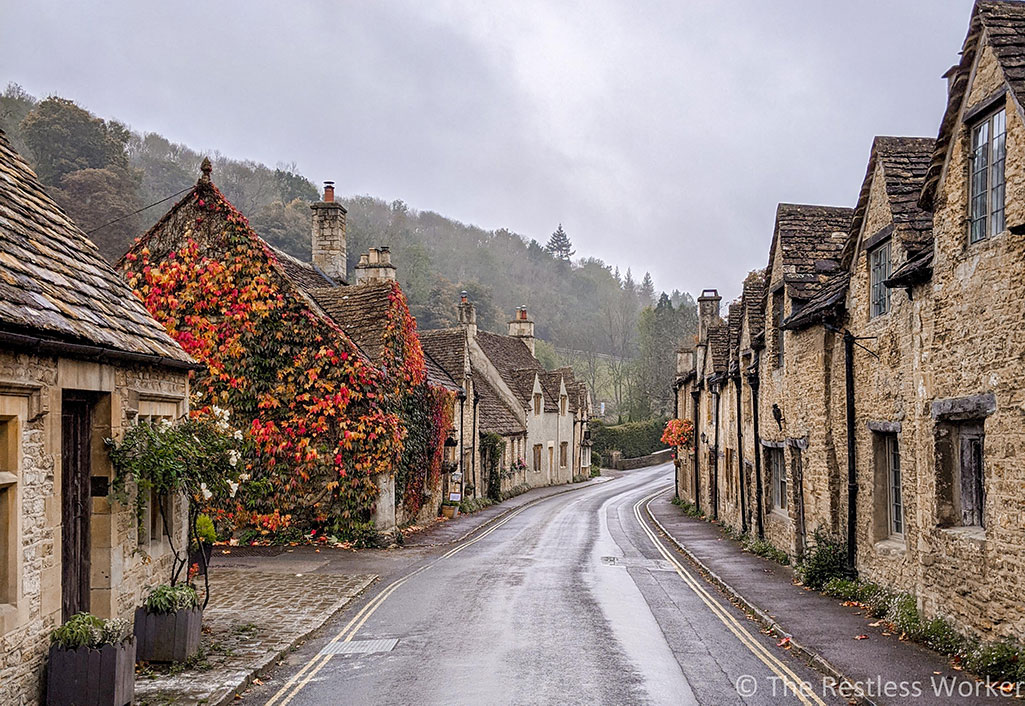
563	454
537	457
984	118
775	462
890	511
147	406
960	442
538	404
563	404
880	266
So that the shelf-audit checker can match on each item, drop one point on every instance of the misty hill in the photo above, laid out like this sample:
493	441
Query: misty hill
591	315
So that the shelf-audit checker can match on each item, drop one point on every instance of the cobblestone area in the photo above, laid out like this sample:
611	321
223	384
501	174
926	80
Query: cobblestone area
253	618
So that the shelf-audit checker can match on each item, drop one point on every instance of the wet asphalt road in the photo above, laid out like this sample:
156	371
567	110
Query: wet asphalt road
566	601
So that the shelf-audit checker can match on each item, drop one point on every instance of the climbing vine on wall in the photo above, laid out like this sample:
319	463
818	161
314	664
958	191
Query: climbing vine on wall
427	416
323	420
491	445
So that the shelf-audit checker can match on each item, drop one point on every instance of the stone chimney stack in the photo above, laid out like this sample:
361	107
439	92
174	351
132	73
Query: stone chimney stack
684	361
329	234
708	312
523	328
375	266
467	314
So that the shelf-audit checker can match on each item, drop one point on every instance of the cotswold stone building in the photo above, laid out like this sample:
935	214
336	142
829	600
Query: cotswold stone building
80	358
881	398
540	414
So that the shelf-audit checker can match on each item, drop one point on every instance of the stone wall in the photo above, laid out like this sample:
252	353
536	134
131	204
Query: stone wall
122	568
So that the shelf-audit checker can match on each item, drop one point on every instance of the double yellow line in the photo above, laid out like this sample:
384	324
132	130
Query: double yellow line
303	677
793	682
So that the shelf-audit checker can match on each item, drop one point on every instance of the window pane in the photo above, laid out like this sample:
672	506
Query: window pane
979	181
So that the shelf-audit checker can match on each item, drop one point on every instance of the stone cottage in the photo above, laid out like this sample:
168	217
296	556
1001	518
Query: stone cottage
541	415
361	324
80	358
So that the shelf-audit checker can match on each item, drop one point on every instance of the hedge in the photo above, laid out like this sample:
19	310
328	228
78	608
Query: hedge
633	439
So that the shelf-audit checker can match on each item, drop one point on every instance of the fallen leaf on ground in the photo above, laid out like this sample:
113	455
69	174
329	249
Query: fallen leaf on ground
257	682
785	642
875	624
861	637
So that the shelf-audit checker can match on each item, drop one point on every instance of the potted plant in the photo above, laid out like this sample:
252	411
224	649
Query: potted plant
92	663
195	459
168	611
203	545
449	509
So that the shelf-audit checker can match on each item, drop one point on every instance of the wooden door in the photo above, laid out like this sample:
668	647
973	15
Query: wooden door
76	505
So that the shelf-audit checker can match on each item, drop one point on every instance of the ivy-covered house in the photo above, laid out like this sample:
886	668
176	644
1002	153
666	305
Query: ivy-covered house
80	359
323	374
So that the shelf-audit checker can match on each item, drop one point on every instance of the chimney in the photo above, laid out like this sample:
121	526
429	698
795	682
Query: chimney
329	234
708	312
684	361
375	266
523	328
467	314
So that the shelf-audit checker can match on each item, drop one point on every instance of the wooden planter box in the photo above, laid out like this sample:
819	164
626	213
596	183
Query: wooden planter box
167	638
449	511
86	676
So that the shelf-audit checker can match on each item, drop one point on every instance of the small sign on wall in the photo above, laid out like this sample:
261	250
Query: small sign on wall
455	497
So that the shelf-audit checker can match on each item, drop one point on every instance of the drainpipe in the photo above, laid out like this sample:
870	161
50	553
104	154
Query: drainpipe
696	396
752	378
715	455
676	415
473	442
738	382
462	424
852	477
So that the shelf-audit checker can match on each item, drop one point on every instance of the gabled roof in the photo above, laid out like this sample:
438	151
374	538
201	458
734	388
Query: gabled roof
515	364
1004	25
733	323
904	161
361	311
824	307
753	298
447	347
55	285
572	387
719	347
915	270
303	274
812	239
495	415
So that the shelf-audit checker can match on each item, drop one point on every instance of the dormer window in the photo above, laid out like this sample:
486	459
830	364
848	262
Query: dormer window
563	405
879	272
986	217
537	403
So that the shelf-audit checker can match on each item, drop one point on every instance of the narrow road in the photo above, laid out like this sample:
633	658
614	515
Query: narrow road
573	599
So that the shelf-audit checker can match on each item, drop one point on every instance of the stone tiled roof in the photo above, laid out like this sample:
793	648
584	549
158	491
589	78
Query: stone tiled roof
719	347
753	298
733	323
905	161
361	311
571	387
55	285
514	363
447	347
812	240
824	307
1004	24
304	274
495	415
915	270
551	382
438	376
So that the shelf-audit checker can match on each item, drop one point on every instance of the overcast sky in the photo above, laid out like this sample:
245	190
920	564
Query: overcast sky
661	134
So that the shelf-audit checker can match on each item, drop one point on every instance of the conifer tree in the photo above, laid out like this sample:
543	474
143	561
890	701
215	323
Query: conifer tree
560	246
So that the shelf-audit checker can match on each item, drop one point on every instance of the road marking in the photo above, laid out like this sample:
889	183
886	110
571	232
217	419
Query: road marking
789	678
303	677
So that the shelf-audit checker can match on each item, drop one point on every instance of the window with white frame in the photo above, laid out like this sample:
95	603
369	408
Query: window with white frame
986	176
778	474
894	483
879	272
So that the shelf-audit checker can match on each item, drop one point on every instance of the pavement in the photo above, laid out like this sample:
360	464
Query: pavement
819	627
253	618
569	599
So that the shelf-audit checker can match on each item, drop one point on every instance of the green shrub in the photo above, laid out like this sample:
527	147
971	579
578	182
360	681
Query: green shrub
514	491
205	531
761	548
166	599
902	611
632	439
1001	661
87	630
826	561
938	634
472	505
596	459
688	508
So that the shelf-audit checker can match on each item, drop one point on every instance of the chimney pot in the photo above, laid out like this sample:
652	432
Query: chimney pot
329	192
